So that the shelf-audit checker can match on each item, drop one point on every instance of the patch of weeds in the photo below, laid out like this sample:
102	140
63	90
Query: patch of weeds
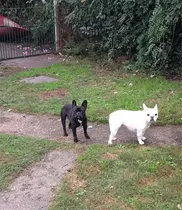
149	165
65	201
80	193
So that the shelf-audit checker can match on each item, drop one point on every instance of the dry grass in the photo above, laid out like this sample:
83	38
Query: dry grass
110	156
58	93
74	181
147	181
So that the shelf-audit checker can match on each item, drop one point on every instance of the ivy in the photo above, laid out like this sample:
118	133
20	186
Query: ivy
149	31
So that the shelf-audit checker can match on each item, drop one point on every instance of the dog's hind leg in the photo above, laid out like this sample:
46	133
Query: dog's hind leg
114	126
69	126
112	136
63	120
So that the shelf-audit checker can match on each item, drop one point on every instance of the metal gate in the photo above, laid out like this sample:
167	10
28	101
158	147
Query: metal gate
26	31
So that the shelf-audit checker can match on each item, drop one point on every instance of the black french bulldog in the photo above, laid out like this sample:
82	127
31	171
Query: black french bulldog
76	116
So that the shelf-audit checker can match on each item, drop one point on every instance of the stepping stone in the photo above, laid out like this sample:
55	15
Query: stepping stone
39	79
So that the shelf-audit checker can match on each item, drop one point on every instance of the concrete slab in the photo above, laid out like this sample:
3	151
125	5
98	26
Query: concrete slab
39	79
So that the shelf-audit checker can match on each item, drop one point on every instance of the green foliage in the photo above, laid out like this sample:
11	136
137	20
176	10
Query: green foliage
157	47
42	23
150	31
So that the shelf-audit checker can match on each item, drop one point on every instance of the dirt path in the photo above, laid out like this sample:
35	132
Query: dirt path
49	127
33	62
34	189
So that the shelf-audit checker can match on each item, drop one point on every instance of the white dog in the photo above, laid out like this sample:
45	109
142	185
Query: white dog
136	121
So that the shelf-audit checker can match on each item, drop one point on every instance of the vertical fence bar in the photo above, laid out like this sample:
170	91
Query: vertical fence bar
56	25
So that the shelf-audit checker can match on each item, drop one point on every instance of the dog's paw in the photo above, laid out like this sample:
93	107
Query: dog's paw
144	138
75	140
140	142
109	142
87	137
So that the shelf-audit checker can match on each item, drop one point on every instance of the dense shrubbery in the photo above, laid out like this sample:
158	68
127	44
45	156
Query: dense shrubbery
149	31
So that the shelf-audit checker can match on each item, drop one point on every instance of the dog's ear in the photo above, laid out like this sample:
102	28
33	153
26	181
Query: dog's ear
73	103
145	107
84	104
156	107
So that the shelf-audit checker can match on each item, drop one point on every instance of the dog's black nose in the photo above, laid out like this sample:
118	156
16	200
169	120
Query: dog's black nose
152	118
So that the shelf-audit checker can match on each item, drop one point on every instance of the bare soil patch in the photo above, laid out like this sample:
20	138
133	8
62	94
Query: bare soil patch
6	71
147	181
110	156
75	182
58	93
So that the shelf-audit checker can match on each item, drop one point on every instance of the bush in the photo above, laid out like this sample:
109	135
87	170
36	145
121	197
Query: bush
149	31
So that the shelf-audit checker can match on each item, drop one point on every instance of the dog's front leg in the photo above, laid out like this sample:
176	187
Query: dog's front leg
64	127
74	135
140	136
85	131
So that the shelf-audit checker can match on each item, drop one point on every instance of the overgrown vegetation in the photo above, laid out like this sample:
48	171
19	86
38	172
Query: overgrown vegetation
148	31
123	177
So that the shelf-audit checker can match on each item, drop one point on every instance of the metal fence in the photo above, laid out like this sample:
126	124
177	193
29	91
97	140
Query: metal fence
26	31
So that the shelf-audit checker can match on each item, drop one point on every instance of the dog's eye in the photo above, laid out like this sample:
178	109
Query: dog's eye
155	114
148	115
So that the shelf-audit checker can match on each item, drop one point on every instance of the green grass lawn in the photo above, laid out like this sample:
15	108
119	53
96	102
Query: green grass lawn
105	91
16	153
120	177
126	177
